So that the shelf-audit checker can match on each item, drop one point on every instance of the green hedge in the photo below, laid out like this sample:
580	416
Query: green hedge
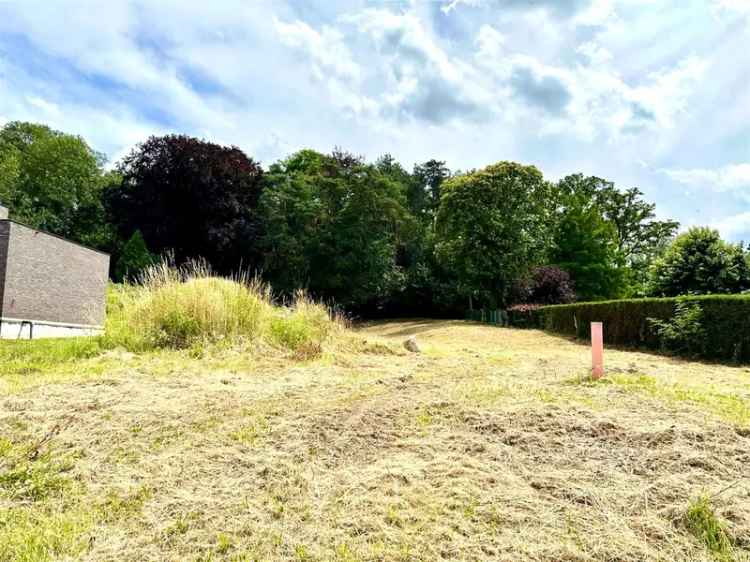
524	315
725	321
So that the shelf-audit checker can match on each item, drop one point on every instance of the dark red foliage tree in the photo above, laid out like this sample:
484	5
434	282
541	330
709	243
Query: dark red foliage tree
546	284
192	198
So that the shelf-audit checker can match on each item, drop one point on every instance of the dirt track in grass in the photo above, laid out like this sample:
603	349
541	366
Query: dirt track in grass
488	445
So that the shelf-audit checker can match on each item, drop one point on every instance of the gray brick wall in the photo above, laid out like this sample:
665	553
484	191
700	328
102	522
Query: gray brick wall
50	279
4	236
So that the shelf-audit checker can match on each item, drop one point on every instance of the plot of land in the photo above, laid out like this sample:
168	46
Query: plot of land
489	445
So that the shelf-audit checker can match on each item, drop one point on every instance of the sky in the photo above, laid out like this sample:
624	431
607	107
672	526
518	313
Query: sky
653	94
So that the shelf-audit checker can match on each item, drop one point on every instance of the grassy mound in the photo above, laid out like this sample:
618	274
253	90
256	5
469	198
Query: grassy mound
187	306
177	314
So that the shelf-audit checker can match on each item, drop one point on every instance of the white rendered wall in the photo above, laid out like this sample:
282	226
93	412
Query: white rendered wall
15	329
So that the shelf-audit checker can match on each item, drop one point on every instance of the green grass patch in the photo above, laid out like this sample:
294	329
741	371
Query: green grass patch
41	517
29	534
258	425
223	543
701	520
117	506
26	475
726	405
179	526
27	357
424	419
484	393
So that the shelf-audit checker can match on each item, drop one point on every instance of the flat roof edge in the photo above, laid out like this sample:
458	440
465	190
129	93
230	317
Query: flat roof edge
84	246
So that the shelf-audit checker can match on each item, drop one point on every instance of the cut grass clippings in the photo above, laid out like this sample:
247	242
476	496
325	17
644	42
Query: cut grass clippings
479	448
729	406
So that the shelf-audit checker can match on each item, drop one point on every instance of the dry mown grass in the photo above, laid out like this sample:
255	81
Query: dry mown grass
490	445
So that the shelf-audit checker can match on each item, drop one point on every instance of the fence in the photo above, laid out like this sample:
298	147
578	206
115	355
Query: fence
497	317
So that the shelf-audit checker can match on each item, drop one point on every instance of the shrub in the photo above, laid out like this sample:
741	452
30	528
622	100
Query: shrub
683	334
547	284
181	307
304	325
134	259
700	262
725	322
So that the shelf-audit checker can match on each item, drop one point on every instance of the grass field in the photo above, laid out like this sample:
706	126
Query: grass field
491	444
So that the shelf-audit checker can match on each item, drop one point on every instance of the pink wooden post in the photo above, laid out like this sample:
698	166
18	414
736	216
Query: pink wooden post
597	350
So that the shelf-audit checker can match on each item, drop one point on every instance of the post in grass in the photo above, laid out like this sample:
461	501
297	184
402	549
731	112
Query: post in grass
597	350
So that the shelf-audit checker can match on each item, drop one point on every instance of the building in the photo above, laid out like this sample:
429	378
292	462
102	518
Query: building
49	287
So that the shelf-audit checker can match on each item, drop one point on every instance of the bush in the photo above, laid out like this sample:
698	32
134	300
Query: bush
699	262
181	307
303	326
725	321
134	259
545	284
683	334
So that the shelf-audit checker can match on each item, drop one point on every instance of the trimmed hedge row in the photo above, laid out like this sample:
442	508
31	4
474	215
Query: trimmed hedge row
725	322
524	315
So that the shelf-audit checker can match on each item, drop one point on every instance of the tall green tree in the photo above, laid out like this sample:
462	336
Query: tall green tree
333	226
134	258
637	236
425	188
640	237
700	262
54	181
586	247
427	288
10	170
492	225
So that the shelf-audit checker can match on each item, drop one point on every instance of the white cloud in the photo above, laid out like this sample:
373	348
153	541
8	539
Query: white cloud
668	91
111	48
595	53
413	76
601	102
453	4
49	109
727	178
331	62
737	6
378	65
734	227
491	43
597	13
326	48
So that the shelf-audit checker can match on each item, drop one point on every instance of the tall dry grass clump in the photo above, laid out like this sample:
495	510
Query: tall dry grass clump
179	307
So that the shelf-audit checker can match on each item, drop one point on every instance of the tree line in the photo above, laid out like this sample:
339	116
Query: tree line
371	237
